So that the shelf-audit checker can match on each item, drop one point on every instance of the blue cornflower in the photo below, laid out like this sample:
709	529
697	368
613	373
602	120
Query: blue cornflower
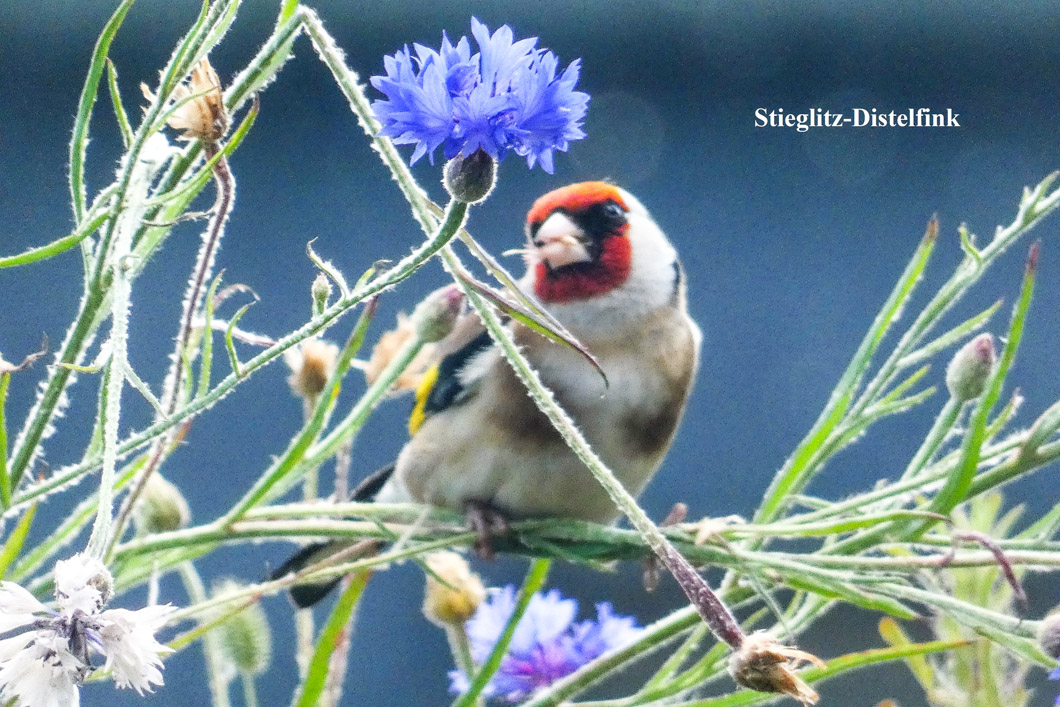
507	96
1055	675
547	644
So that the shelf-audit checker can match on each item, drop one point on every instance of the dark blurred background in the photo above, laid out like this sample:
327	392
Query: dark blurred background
791	241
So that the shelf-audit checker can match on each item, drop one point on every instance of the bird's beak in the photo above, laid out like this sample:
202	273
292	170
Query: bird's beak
559	242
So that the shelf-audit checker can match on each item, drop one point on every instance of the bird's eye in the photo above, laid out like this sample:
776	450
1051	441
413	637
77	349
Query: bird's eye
614	211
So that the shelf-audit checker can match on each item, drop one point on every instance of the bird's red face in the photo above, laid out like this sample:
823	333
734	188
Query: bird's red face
578	242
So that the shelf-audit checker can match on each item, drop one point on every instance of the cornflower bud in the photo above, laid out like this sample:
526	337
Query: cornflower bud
470	179
321	291
970	368
246	637
311	364
436	315
161	507
456	600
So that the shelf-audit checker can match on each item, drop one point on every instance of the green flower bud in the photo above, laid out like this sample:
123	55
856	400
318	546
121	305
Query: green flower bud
161	507
435	316
321	291
970	368
456	598
470	179
245	636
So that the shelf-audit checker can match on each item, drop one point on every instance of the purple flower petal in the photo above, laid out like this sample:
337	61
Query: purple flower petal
546	645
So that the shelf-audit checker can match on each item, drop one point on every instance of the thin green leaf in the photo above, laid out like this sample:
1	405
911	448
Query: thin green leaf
838	590
206	362
1045	527
951	337
119	110
5	477
230	344
79	141
145	390
287	10
881	409
901	389
960	482
1023	648
317	674
328	269
535	579
511	285
56	247
891	632
526	318
968	246
177	66
13	544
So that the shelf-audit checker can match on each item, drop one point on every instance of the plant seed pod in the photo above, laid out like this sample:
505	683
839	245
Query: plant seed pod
457	600
970	368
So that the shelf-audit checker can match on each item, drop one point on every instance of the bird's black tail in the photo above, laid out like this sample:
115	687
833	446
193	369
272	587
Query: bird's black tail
306	595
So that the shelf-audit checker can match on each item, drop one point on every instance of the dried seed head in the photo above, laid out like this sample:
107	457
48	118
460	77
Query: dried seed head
386	349
457	599
246	636
1049	635
762	664
970	368
311	364
162	506
203	117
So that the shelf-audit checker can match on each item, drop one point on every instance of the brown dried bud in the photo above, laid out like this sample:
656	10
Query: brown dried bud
161	507
203	117
970	368
762	664
456	598
388	346
311	364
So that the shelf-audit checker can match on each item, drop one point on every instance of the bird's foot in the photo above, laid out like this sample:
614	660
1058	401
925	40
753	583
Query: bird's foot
652	565
488	523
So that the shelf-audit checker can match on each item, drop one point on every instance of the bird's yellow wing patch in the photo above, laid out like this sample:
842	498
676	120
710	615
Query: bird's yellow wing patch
423	392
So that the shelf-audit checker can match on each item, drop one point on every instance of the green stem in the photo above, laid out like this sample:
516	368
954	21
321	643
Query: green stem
535	579
940	429
460	647
211	646
250	691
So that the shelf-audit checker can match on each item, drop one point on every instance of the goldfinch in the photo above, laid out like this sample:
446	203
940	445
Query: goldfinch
602	267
